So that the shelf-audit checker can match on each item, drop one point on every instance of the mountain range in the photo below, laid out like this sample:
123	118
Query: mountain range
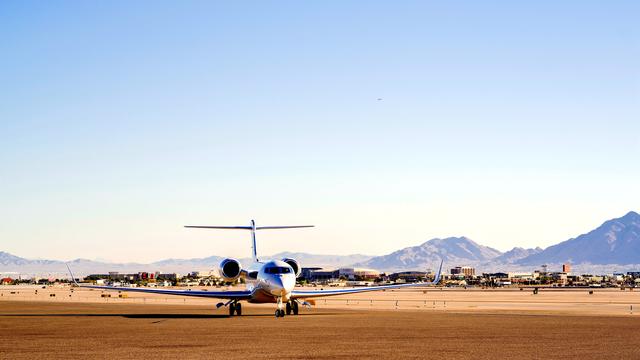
613	246
13	265
453	250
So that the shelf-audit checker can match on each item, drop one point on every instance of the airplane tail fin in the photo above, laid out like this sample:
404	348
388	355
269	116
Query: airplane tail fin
253	228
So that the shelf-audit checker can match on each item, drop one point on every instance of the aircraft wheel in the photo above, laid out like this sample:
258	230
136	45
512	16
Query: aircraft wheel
295	308
238	309
277	313
289	308
232	309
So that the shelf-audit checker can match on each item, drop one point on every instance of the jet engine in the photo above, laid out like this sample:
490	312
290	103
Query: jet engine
230	269
294	264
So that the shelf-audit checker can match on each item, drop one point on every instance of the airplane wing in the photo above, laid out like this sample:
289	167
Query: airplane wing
304	294
230	295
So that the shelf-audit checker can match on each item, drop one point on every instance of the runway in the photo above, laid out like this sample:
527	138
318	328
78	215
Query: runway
558	301
43	329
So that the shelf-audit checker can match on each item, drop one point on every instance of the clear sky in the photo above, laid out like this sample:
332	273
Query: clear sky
513	123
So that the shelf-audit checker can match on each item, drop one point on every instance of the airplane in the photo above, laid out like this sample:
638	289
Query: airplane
270	281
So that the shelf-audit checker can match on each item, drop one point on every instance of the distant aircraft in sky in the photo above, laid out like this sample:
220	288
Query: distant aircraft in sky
271	281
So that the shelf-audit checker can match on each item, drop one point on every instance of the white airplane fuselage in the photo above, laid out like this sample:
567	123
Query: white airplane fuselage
273	282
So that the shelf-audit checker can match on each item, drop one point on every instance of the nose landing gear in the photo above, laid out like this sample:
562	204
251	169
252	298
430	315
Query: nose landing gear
235	307
279	311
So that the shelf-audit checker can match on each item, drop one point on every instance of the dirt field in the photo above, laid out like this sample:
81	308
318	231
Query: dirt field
58	329
56	322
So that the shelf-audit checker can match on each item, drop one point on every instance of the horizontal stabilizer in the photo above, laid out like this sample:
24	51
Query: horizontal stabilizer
282	227
220	227
251	228
248	227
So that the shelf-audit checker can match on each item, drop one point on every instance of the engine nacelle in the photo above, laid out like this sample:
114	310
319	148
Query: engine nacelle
230	269
294	264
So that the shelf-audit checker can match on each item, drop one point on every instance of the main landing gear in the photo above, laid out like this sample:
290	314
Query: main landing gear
235	307
291	307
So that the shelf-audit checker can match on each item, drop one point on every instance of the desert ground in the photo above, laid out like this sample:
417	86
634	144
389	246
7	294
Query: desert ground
432	323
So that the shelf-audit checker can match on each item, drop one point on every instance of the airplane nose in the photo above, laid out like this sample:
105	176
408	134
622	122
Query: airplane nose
277	286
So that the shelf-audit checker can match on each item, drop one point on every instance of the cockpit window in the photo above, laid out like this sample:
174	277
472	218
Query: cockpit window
277	270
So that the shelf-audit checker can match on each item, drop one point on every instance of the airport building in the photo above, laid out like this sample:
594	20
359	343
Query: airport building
145	276
305	272
323	275
559	278
115	276
352	274
466	271
366	274
347	273
169	276
495	276
523	277
408	276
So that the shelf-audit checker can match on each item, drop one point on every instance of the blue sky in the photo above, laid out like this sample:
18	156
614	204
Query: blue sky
515	124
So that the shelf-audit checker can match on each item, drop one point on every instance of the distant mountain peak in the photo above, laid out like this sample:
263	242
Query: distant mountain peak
10	259
516	254
630	216
452	250
616	241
